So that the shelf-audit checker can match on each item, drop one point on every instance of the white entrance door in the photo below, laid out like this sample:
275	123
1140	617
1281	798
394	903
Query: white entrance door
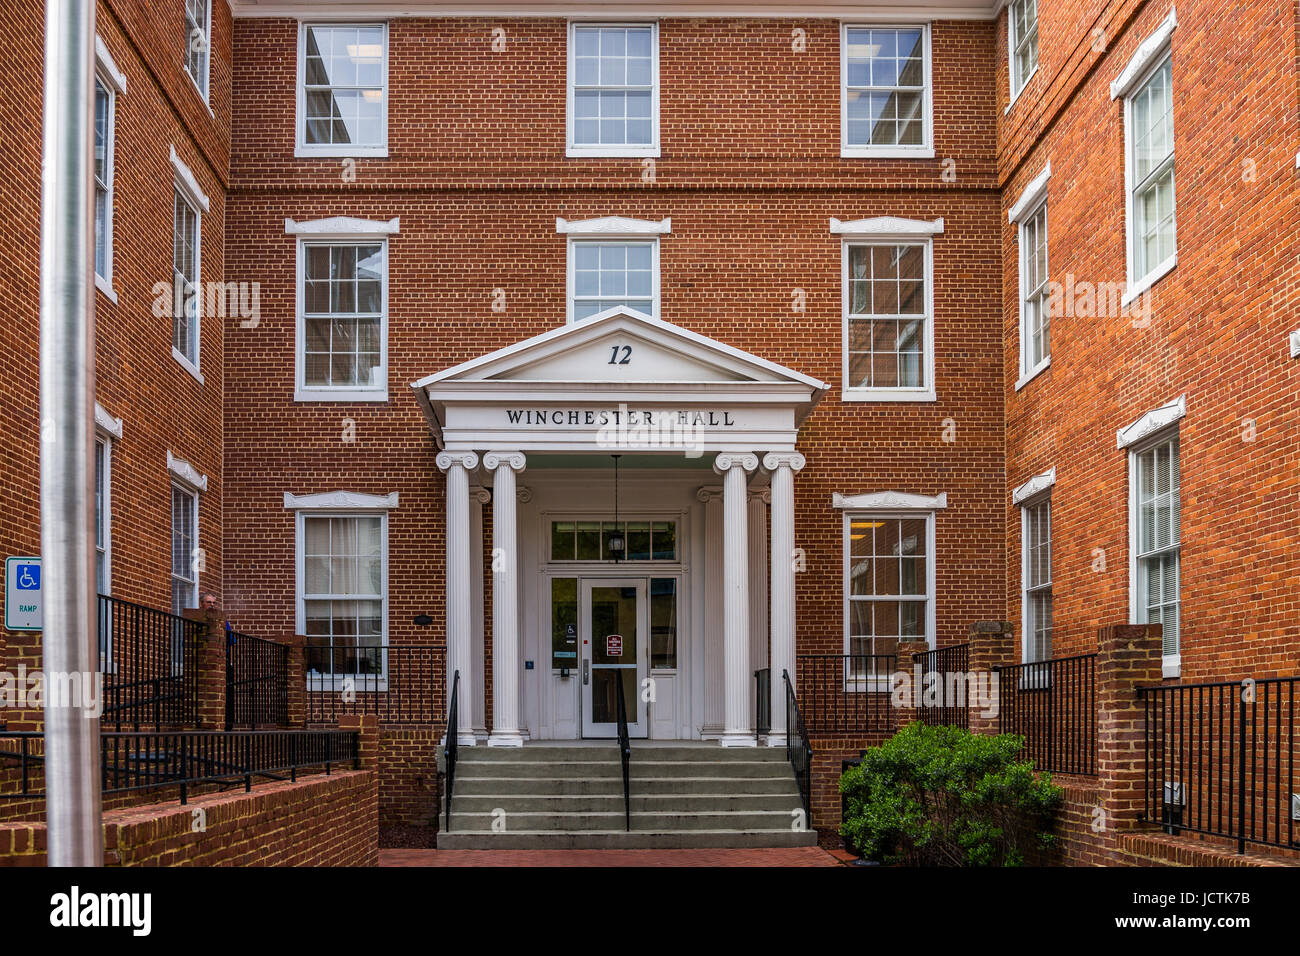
614	649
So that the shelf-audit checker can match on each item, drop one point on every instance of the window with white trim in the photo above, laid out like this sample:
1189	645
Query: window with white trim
887	320
1149	133
613	89
342	592
1154	473
198	41
885	91
1035	314
343	315
186	293
185	558
105	112
609	272
888	587
343	89
103	515
1022	22
1036	527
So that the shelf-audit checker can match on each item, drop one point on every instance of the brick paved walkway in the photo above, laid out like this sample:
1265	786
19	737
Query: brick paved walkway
793	856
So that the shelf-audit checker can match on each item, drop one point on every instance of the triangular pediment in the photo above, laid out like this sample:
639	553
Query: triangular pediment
620	346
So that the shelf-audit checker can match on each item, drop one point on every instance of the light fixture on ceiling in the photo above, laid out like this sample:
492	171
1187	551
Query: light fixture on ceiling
617	543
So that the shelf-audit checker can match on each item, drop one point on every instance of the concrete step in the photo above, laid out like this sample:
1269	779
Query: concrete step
563	753
638	769
657	822
613	840
613	785
684	804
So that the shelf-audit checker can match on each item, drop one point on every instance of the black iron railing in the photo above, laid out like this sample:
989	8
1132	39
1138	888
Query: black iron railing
399	684
762	701
131	761
951	707
149	660
624	753
798	748
452	748
1221	760
257	681
846	693
1053	705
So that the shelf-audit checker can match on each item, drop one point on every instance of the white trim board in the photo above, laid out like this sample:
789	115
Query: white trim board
1031	196
1152	422
340	501
613	226
889	501
187	183
886	227
186	474
756	9
343	226
1034	487
1144	57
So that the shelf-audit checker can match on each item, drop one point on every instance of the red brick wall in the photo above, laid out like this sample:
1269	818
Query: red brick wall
750	175
162	406
321	821
1218	332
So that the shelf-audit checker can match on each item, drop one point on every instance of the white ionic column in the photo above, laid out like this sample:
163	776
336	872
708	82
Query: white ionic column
457	465
738	728
504	465
782	465
478	497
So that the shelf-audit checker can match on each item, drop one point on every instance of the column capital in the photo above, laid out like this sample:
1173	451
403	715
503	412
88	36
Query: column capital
466	459
783	459
707	494
732	459
480	494
761	494
514	460
524	494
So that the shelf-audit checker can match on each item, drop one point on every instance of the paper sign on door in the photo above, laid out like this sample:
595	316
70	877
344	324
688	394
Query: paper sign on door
614	645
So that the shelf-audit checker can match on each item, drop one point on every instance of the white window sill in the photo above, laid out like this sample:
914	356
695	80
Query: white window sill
1020	92
1171	666
187	364
340	395
106	287
1135	289
886	152
1033	373
612	152
340	152
887	395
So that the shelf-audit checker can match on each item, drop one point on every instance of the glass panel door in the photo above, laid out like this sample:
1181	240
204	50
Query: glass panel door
614	650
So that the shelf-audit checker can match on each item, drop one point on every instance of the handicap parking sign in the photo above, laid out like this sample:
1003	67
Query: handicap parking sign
24	607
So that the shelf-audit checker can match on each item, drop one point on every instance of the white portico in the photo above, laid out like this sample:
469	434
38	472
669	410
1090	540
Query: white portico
678	585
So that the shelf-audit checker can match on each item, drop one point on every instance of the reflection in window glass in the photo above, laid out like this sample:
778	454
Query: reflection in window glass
663	622
564	622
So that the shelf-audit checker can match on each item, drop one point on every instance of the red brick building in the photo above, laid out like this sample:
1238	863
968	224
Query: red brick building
894	319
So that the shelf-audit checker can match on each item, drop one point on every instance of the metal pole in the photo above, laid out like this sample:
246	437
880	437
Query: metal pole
67	376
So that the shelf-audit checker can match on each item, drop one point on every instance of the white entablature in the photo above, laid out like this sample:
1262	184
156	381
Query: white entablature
619	379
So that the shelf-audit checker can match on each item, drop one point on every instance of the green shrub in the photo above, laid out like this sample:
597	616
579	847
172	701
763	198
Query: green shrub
942	796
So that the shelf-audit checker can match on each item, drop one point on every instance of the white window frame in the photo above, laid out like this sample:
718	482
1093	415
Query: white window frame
1154	428
887	231
1041	499
881	682
623	150
114	81
926	148
1027	208
618	231
194	495
187	187
341	505
202	86
1016	82
105	511
1149	58
340	230
304	149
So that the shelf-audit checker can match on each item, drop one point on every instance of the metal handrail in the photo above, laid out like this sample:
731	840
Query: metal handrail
625	753
453	741
801	756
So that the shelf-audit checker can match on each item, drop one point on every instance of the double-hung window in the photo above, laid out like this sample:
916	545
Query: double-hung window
888	321
1035	315
185	559
343	316
1022	26
342	593
1036	527
103	514
613	95
885	92
187	294
198	41
1156	550
1146	86
612	262
343	90
888	588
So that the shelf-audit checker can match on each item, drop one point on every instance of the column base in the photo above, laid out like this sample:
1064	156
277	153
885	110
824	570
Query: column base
776	740
738	740
512	739
466	739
